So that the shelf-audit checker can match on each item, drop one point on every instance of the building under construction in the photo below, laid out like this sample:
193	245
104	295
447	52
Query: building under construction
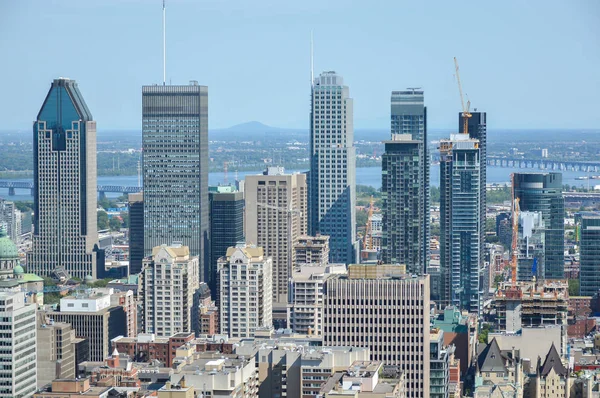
530	304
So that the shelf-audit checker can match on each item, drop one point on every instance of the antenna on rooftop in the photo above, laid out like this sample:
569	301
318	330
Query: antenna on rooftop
312	60
164	44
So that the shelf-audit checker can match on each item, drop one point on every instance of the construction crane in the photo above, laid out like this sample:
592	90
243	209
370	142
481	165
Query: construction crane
225	164
368	238
515	234
466	114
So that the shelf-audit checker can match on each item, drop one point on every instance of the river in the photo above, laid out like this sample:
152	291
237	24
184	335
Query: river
364	176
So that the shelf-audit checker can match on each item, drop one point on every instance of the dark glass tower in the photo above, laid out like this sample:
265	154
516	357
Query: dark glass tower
589	274
405	176
542	192
226	226
65	192
136	232
175	168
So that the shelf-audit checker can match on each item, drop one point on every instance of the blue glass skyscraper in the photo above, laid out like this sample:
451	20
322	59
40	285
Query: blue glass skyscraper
65	192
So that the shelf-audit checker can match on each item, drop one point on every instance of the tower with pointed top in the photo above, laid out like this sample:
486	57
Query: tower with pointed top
65	192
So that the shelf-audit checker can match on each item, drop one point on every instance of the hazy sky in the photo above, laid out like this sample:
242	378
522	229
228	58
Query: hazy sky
530	64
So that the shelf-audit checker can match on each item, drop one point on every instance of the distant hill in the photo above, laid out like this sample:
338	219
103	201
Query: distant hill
255	131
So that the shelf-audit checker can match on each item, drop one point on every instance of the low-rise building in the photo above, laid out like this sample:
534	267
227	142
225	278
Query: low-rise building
362	380
498	373
56	350
147	347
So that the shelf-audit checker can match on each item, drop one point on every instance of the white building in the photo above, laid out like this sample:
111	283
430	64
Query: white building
245	291
18	375
306	311
170	282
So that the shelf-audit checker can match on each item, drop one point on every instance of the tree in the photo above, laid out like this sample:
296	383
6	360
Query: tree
573	287
102	220
434	194
114	224
497	279
490	224
125	218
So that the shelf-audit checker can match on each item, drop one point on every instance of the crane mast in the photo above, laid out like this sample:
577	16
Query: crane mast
466	114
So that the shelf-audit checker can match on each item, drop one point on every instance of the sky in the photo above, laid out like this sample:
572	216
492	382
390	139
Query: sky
528	64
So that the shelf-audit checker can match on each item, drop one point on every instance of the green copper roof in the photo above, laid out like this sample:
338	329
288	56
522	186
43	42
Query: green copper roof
8	250
19	270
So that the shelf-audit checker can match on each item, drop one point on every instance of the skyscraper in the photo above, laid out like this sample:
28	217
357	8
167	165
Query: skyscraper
275	218
226	226
332	176
65	192
542	192
477	127
460	246
136	232
405	177
589	274
388	314
175	168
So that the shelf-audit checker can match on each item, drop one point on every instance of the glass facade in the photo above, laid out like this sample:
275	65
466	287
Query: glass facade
136	232
405	189
226	228
589	274
65	192
542	192
332	176
175	168
460	246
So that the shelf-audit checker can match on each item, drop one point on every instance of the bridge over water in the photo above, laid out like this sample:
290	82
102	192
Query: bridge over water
102	189
544	164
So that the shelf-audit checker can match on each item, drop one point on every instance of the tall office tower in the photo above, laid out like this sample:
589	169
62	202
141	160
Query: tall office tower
589	270
460	247
275	218
175	168
542	192
170	285
405	170
246	291
17	321
332	176
56	351
388	314
136	232
65	191
226	226
477	126
11	218
311	250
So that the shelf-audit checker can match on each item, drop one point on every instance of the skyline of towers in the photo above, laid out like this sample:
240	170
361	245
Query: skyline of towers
65	190
405	184
175	168
460	224
542	192
332	175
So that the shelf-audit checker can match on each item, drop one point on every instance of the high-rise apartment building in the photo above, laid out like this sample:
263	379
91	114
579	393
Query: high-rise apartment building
530	241
17	321
136	232
175	168
477	127
226	225
246	291
170	284
311	250
389	315
65	191
460	246
56	351
306	296
332	176
542	192
275	218
589	269
405	188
